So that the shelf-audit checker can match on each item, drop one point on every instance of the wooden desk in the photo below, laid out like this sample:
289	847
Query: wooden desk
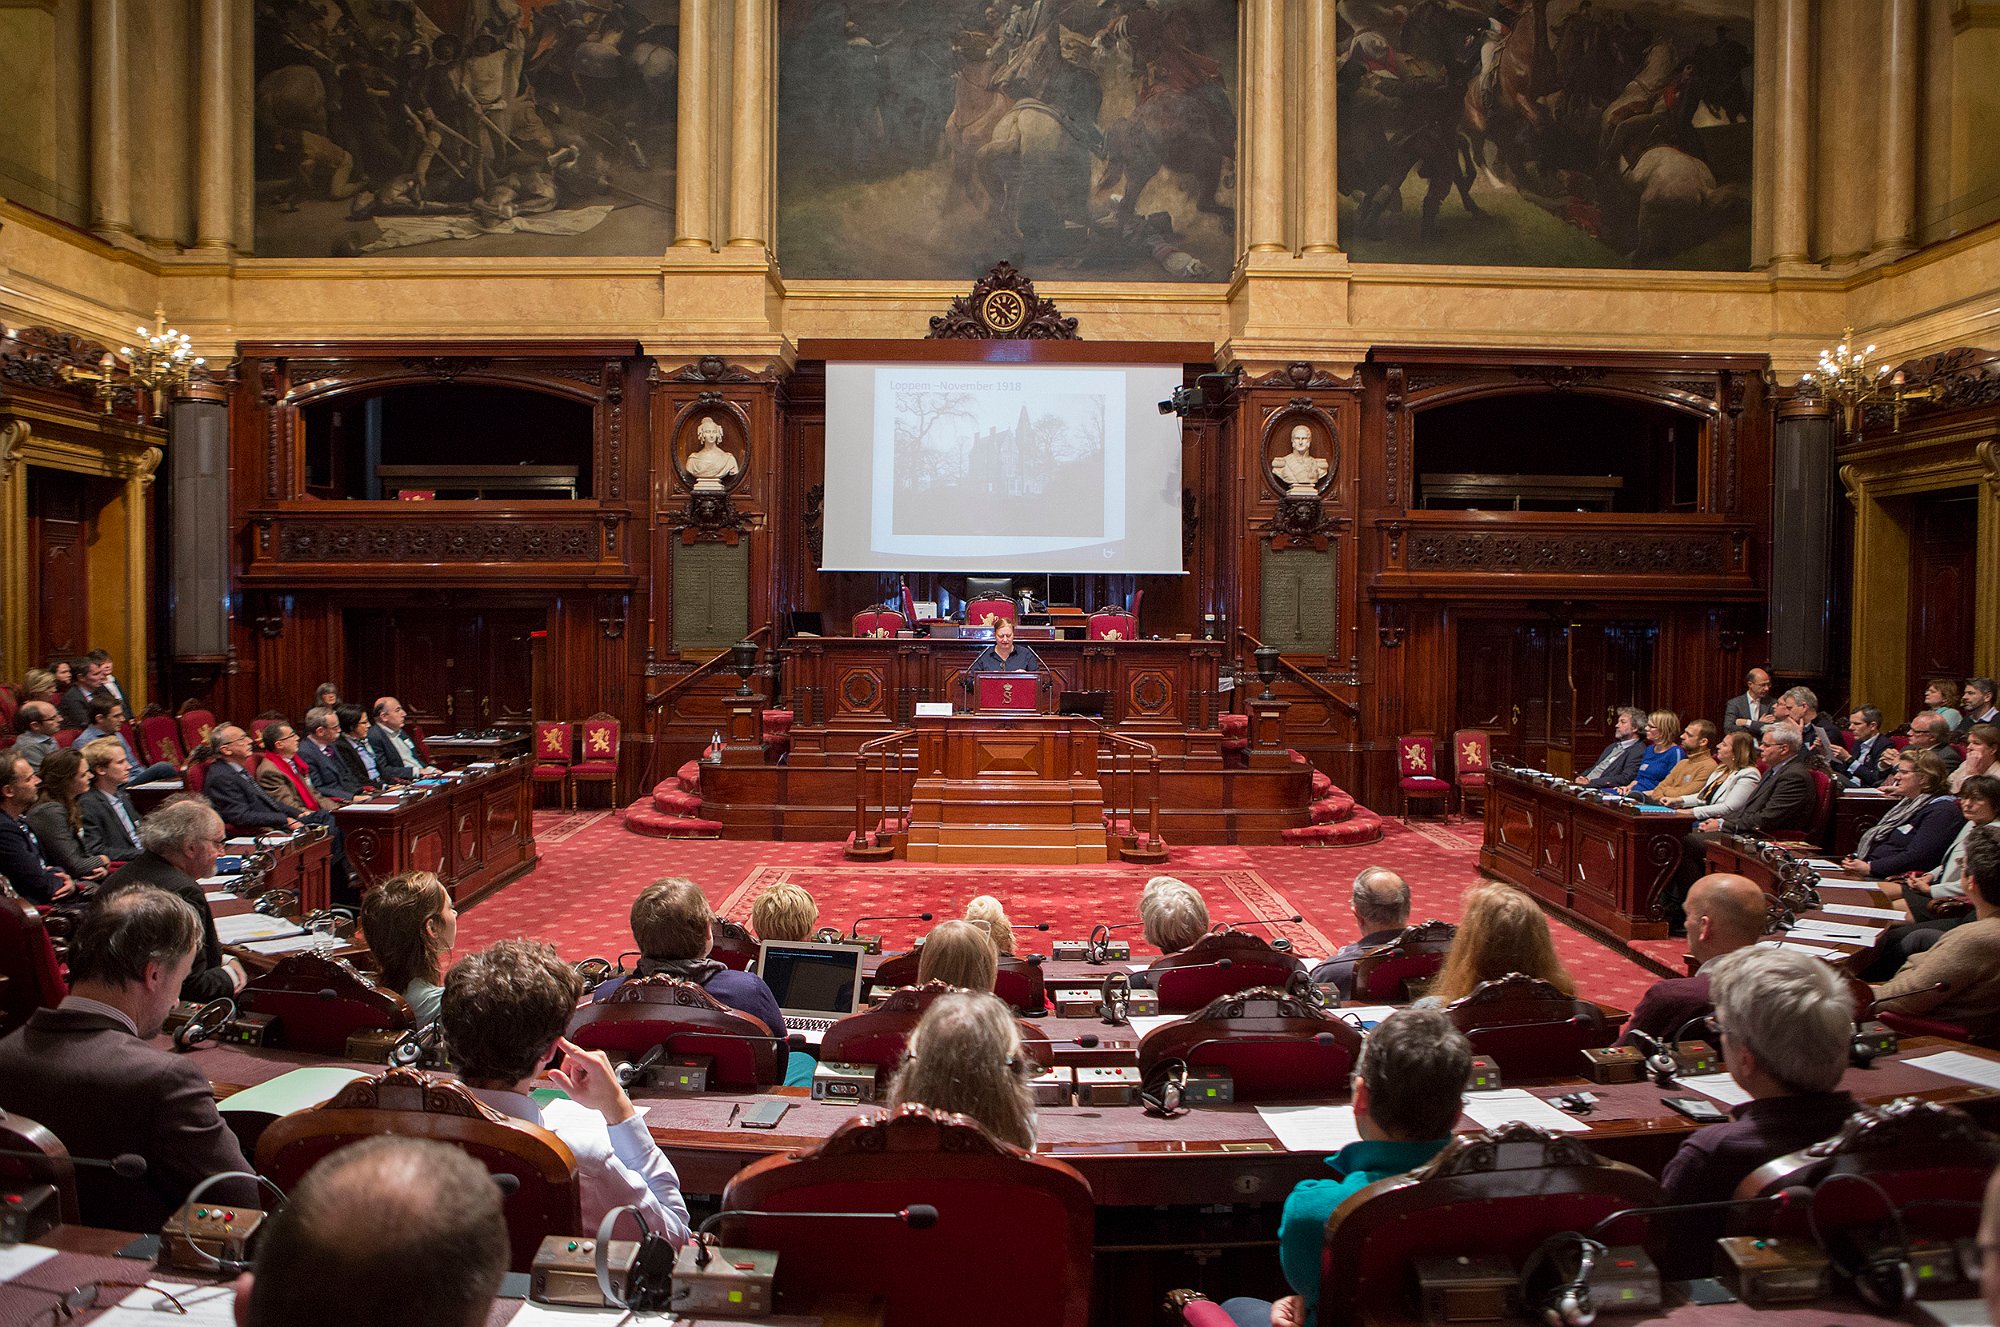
1604	864
452	750
1855	812
476	833
1014	790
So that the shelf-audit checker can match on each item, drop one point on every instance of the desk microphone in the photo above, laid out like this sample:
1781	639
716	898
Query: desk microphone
1223	927
1659	1060
917	1216
855	929
126	1165
1779	1201
1873	1005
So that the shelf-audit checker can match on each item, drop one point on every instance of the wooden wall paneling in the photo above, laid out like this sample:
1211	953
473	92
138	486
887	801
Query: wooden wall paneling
58	550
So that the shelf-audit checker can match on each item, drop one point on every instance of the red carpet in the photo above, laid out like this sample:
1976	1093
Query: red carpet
591	869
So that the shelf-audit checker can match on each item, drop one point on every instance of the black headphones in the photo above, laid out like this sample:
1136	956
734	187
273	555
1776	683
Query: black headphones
1163	1091
419	1046
1884	1280
1115	1000
1562	1303
208	1020
594	971
1301	987
827	935
1098	945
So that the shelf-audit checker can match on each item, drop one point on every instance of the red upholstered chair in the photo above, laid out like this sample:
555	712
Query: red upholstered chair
1823	792
1017	981
414	1104
554	743
1275	1046
1012	1242
732	945
294	992
159	738
879	620
644	1012
1384	974
28	962
30	1154
877	1036
1417	773
1252	962
66	737
10	705
1472	757
598	762
196	724
1530	1028
1112	624
258	725
985	612
1499	1193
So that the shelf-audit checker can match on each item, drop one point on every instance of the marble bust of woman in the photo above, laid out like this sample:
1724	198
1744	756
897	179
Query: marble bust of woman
708	463
1298	469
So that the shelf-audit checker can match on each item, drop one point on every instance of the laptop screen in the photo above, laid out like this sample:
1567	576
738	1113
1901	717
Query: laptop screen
811	978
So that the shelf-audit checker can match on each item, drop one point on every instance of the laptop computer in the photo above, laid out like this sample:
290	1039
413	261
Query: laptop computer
816	984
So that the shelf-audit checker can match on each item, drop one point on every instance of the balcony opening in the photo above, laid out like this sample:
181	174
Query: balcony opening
455	440
1558	452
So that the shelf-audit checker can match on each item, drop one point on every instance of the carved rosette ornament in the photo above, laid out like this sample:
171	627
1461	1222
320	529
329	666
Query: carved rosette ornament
1003	306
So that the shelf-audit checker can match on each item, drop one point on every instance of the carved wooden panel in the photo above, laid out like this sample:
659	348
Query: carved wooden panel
711	594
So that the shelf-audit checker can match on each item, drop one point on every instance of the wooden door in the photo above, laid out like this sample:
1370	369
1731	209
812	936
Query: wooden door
1488	682
507	666
58	551
1545	695
453	668
1943	530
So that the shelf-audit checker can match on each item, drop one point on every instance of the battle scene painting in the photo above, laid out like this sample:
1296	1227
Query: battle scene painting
1546	133
1078	139
465	128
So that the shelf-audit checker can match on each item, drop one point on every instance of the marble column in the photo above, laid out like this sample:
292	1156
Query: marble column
694	155
1319	204
1260	180
215	130
1791	202
1897	151
110	129
750	93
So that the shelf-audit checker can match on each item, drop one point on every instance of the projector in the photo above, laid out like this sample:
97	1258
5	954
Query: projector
1207	387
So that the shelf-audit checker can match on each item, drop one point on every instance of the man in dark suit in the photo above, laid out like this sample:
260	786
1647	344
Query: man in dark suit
233	789
395	750
86	684
321	752
21	860
110	820
84	1069
1785	800
357	758
1619	763
1976	704
1381	903
1821	738
1862	767
1749	711
181	840
1724	913
1928	732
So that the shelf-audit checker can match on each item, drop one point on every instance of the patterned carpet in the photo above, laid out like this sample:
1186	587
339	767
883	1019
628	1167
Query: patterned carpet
591	869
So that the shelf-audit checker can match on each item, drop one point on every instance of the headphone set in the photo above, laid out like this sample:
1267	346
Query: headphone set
1884	1280
208	1021
828	935
419	1047
1115	1000
1163	1092
1097	946
227	1266
1561	1301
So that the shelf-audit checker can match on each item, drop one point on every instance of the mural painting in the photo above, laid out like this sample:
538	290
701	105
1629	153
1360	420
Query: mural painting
1079	139
1553	133
465	128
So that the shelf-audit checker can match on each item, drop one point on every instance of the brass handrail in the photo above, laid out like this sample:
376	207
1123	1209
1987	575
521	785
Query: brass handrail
1152	754
675	687
861	754
1305	679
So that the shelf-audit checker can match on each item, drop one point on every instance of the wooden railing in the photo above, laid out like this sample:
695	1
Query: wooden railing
1132	750
898	755
656	703
1304	679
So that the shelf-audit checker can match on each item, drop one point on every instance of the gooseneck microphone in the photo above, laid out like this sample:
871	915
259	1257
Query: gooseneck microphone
1221	927
1781	1200
126	1165
1873	1005
917	1216
855	929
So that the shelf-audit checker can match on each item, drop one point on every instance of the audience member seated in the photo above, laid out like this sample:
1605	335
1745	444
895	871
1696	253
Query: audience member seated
383	1233
107	719
1729	786
1724	913
37	723
284	777
959	954
39	685
1697	763
110	820
1979	803
1915	833
395	750
785	911
357	758
1982	745
59	668
105	671
84	1069
1965	962
410	926
1660	757
1786	799
1406	1089
1173	916
1618	765
1820	737
57	819
670	924
966	1056
181	840
1502	931
1747	713
1977	702
505	1008
1861	767
1380	900
326	695
86	685
1941	697
986	911
1785	1021
321	752
1930	733
233	789
21	860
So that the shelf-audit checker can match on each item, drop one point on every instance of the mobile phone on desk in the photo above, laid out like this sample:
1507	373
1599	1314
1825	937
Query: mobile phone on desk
1699	1109
765	1114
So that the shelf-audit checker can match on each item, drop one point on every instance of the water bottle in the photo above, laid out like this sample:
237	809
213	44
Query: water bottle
715	746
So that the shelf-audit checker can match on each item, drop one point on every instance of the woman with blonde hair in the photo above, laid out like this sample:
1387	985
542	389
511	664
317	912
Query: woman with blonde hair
410	926
959	954
39	684
1662	752
966	1056
1730	787
1502	931
785	911
986	911
1982	755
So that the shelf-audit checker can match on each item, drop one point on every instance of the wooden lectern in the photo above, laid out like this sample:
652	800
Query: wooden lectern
1008	693
1019	789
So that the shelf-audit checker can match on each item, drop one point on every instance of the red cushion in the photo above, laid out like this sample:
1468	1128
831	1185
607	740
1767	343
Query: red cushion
551	771
1235	725
594	767
1422	784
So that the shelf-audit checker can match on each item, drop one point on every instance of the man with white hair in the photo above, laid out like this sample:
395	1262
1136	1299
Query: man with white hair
1381	903
1785	1021
1786	799
1174	917
181	840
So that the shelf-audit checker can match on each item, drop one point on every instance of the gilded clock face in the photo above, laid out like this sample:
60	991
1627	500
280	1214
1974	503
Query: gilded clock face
1004	310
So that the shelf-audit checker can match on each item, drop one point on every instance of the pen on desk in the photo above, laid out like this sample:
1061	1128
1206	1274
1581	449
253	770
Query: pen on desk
733	1111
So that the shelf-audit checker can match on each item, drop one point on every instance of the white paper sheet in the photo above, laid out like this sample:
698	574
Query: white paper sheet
561	1315
1822	864
220	881
220	896
1851	886
1954	1312
370	806
288	944
248	926
1857	910
1145	1023
207	1306
1312	1128
1811	928
1493	1109
1719	1086
18	1258
1817	951
1957	1064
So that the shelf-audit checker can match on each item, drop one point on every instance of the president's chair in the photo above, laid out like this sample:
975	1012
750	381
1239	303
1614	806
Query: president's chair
1113	624
1011	1242
1500	1193
877	1036
1195	976
1529	1027
598	761
878	620
1472	761
1387	973
554	744
414	1104
319	1002
644	1012
986	612
1274	1045
1417	773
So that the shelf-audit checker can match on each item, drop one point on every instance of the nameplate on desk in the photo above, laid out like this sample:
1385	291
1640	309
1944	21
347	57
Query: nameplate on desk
934	709
219	881
1856	910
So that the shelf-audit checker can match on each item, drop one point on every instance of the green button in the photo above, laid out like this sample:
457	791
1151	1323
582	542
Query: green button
572	1246
736	1297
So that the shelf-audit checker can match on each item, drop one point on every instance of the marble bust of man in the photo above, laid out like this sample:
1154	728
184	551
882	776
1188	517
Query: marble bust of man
1299	470
708	463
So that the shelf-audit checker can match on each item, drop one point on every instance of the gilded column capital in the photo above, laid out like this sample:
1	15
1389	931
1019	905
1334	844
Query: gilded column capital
14	435
1989	465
